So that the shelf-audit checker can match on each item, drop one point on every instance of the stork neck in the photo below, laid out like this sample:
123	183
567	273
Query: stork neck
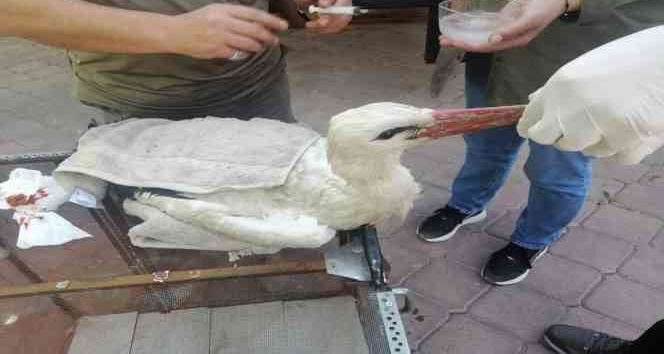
358	166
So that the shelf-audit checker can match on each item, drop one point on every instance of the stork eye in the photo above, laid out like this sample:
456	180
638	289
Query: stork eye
388	134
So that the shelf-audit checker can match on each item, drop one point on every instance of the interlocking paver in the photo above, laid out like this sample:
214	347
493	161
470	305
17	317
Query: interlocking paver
472	249
448	283
406	237
589	207
562	279
443	175
534	348
449	149
603	190
422	318
418	164
655	158
403	261
9	147
523	312
581	317
504	226
628	301
623	173
432	198
653	178
628	225
13	101
658	242
511	196
648	199
583	246
646	266
464	335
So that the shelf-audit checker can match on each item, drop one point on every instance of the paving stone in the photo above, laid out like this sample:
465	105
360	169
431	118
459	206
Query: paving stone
104	334
533	348
562	279
512	195
492	215
28	67
588	208
448	283
422	318
628	301
504	226
431	199
623	173
472	249
522	312
646	266
448	149
624	224
658	242
406	237
653	178
9	147
182	331
648	199
442	175
12	101
602	190
581	317
655	158
403	261
464	335
418	165
583	246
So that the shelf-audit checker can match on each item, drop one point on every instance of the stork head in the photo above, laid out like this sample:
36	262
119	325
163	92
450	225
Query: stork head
379	128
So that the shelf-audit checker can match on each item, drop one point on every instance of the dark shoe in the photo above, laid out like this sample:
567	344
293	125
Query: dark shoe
510	265
445	222
564	339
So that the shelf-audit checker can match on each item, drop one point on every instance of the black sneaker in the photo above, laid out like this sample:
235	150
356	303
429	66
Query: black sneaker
510	265
564	339
445	222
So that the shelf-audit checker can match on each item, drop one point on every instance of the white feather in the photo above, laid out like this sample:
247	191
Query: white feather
340	183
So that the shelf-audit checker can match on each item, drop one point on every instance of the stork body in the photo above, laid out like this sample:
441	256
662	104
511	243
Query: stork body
352	178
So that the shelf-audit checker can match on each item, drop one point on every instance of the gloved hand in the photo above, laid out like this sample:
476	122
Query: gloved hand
608	102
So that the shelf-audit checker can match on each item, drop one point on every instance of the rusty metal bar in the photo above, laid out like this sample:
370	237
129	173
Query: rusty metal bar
65	286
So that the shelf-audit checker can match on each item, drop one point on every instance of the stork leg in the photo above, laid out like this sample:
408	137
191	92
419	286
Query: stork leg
273	231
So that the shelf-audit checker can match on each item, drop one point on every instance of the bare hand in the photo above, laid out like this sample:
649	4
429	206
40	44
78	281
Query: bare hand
329	23
534	16
219	30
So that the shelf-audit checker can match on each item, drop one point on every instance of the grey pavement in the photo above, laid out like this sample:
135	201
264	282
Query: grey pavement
606	272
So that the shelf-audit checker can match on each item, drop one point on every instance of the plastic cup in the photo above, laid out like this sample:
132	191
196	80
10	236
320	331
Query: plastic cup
473	21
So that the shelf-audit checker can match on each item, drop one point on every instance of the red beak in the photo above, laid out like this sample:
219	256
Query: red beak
459	121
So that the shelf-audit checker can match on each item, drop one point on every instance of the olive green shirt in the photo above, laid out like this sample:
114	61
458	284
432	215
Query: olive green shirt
518	72
136	83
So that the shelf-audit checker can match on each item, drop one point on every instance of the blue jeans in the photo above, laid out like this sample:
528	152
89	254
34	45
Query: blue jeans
558	180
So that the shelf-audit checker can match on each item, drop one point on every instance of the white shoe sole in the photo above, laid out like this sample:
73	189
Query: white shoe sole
471	220
550	345
518	279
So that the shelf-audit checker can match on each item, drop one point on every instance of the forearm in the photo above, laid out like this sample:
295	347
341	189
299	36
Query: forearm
76	24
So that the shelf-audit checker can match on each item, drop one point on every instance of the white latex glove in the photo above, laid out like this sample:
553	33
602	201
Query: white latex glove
607	103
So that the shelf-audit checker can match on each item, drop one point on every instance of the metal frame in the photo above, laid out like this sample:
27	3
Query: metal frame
377	305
